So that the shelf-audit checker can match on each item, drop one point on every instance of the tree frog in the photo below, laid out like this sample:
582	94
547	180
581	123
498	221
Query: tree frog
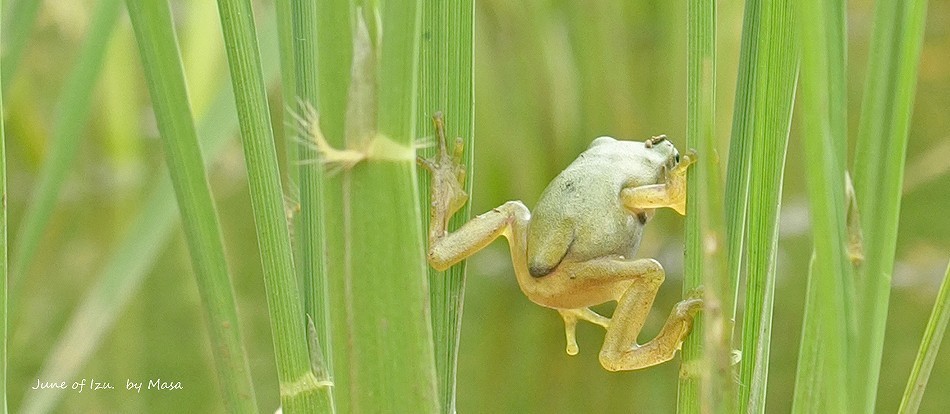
577	249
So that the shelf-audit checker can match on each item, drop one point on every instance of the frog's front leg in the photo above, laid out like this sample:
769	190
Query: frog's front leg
670	194
448	196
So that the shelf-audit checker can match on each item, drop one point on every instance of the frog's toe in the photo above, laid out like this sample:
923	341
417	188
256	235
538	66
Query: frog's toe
425	163
689	307
696	292
458	150
690	157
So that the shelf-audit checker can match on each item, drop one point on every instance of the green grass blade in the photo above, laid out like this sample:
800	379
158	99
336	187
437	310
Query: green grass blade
300	389
334	48
20	26
826	191
154	31
806	398
740	152
288	79
704	222
70	115
880	153
312	30
126	268
929	346
382	334
774	94
3	263
446	84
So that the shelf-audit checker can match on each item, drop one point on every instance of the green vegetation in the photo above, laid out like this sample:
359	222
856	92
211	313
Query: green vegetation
314	224
151	20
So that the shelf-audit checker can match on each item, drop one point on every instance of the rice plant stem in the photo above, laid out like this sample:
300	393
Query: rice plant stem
301	391
154	31
777	74
446	84
3	262
311	232
704	225
827	307
880	155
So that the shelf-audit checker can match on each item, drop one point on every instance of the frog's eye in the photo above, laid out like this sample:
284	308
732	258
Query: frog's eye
676	157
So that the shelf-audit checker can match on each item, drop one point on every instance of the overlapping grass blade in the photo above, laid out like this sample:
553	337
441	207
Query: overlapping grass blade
396	362
301	390
447	85
704	221
313	243
775	81
823	364
154	31
879	159
378	295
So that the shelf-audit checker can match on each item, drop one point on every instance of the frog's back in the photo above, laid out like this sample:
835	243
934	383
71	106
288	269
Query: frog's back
580	216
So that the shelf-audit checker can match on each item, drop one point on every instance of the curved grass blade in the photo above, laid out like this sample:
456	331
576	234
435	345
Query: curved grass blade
929	346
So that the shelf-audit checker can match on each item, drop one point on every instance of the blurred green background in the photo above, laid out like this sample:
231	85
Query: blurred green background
550	76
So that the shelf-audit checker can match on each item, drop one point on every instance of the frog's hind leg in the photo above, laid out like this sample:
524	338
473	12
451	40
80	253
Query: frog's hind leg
633	284
620	351
571	316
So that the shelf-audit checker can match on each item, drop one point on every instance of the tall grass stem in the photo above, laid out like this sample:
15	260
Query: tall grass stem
3	262
775	82
823	362
704	266
154	31
301	390
880	155
446	81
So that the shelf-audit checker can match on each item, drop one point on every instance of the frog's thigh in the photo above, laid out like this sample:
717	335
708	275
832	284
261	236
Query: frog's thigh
580	284
478	233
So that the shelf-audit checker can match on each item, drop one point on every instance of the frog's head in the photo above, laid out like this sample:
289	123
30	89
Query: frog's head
655	153
664	149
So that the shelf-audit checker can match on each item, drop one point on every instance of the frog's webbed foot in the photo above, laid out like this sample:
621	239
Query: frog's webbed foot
571	316
671	193
447	178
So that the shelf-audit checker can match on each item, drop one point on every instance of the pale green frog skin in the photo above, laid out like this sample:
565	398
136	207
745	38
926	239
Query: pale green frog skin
577	249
